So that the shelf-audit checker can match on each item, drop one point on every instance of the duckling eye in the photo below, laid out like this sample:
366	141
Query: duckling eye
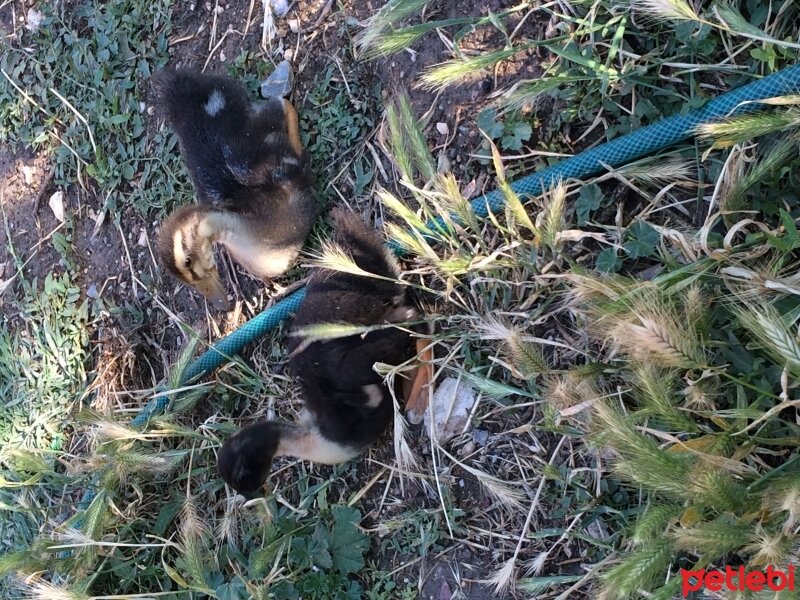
187	262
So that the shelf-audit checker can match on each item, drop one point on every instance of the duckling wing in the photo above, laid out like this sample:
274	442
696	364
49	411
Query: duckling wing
268	151
228	145
347	398
205	111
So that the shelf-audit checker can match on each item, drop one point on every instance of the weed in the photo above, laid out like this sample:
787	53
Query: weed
335	121
511	133
684	386
43	355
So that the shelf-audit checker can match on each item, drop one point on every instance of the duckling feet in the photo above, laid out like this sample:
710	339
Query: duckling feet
279	83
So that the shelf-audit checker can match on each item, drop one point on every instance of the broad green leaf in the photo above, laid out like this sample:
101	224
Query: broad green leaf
347	542
642	240
487	121
590	198
608	261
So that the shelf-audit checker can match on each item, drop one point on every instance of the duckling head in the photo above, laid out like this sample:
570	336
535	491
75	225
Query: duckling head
244	461
186	246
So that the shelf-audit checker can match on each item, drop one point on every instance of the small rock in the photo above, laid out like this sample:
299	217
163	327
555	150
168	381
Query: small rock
288	54
92	291
279	7
56	204
294	25
222	56
142	107
279	83
142	241
27	174
442	128
480	436
443	164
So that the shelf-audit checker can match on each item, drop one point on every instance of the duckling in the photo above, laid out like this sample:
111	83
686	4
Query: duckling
347	404
250	175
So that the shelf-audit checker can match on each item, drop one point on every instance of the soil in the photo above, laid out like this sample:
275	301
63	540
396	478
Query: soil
24	182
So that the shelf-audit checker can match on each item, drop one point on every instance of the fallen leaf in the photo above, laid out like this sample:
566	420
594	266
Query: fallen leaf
56	204
468	191
444	591
98	223
575	235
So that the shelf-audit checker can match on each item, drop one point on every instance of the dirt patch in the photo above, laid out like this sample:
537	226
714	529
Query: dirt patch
24	183
450	579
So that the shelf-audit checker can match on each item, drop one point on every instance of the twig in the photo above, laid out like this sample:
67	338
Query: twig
321	16
130	262
79	115
23	92
268	25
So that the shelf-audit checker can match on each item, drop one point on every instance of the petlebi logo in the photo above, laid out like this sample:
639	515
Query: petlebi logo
741	579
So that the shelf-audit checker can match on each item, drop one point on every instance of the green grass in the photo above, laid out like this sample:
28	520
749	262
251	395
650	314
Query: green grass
335	122
636	371
81	95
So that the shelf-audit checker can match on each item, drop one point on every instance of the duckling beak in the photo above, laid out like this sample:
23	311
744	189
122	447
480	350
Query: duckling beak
259	492
211	288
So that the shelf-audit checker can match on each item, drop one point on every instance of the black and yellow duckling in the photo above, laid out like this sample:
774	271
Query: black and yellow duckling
250	175
347	405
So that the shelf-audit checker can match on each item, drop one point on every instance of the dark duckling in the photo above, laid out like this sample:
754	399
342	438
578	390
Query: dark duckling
347	404
250	175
